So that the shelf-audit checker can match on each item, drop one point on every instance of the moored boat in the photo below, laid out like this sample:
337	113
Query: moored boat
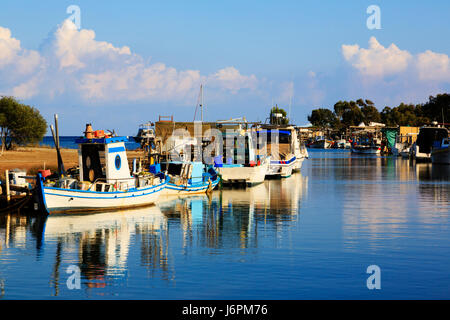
440	152
104	181
191	177
366	149
286	155
421	149
240	163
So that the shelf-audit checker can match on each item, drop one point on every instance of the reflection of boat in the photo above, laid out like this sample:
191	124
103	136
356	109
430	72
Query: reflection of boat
104	182
58	225
100	243
421	149
441	152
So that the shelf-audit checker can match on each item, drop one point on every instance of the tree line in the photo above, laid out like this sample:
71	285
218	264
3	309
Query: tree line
19	123
352	113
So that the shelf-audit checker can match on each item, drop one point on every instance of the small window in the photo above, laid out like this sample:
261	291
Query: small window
118	162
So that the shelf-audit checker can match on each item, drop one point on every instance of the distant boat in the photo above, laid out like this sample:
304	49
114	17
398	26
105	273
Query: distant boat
343	144
421	149
440	153
320	143
104	182
366	149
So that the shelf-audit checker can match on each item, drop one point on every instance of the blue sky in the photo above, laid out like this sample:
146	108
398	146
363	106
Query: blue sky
147	58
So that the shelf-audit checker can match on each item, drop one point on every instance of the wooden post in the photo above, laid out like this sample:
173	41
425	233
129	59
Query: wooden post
8	196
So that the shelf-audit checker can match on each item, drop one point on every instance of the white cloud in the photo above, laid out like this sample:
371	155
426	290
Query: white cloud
377	60
72	62
230	79
433	66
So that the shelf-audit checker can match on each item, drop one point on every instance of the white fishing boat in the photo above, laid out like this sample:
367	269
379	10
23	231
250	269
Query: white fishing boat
283	147
104	181
239	163
441	151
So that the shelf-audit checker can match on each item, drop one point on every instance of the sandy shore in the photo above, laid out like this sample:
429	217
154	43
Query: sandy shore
33	158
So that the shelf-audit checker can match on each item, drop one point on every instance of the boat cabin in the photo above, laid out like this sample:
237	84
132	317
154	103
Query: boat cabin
105	160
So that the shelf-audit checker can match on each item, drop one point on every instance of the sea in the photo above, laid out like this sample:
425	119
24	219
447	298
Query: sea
346	227
68	142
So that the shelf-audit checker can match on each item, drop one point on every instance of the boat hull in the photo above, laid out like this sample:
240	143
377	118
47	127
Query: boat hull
366	150
282	168
441	155
58	200
172	189
298	165
248	175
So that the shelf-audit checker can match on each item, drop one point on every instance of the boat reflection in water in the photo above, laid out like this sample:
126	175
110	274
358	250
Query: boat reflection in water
235	218
100	243
116	250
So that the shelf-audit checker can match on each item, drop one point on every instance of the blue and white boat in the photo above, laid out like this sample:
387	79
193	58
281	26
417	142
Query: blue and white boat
188	177
104	182
283	147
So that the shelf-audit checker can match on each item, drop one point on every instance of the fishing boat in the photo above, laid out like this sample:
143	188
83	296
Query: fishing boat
282	144
421	149
104	181
320	142
239	163
189	177
440	153
366	149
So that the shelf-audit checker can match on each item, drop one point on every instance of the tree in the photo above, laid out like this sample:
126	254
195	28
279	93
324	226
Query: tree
437	108
19	123
274	119
353	115
322	117
371	114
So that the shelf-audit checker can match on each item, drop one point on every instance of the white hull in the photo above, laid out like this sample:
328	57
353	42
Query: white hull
371	150
249	175
282	168
58	200
298	165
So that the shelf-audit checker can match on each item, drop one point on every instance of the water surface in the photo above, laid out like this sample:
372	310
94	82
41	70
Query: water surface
311	236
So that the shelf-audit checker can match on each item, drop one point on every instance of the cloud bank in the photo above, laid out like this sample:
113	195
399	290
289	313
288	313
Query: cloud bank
72	63
396	75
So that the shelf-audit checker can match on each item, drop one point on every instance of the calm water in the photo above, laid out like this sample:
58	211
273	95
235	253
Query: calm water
310	236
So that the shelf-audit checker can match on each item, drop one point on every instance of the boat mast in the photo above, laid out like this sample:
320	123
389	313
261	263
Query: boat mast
201	103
